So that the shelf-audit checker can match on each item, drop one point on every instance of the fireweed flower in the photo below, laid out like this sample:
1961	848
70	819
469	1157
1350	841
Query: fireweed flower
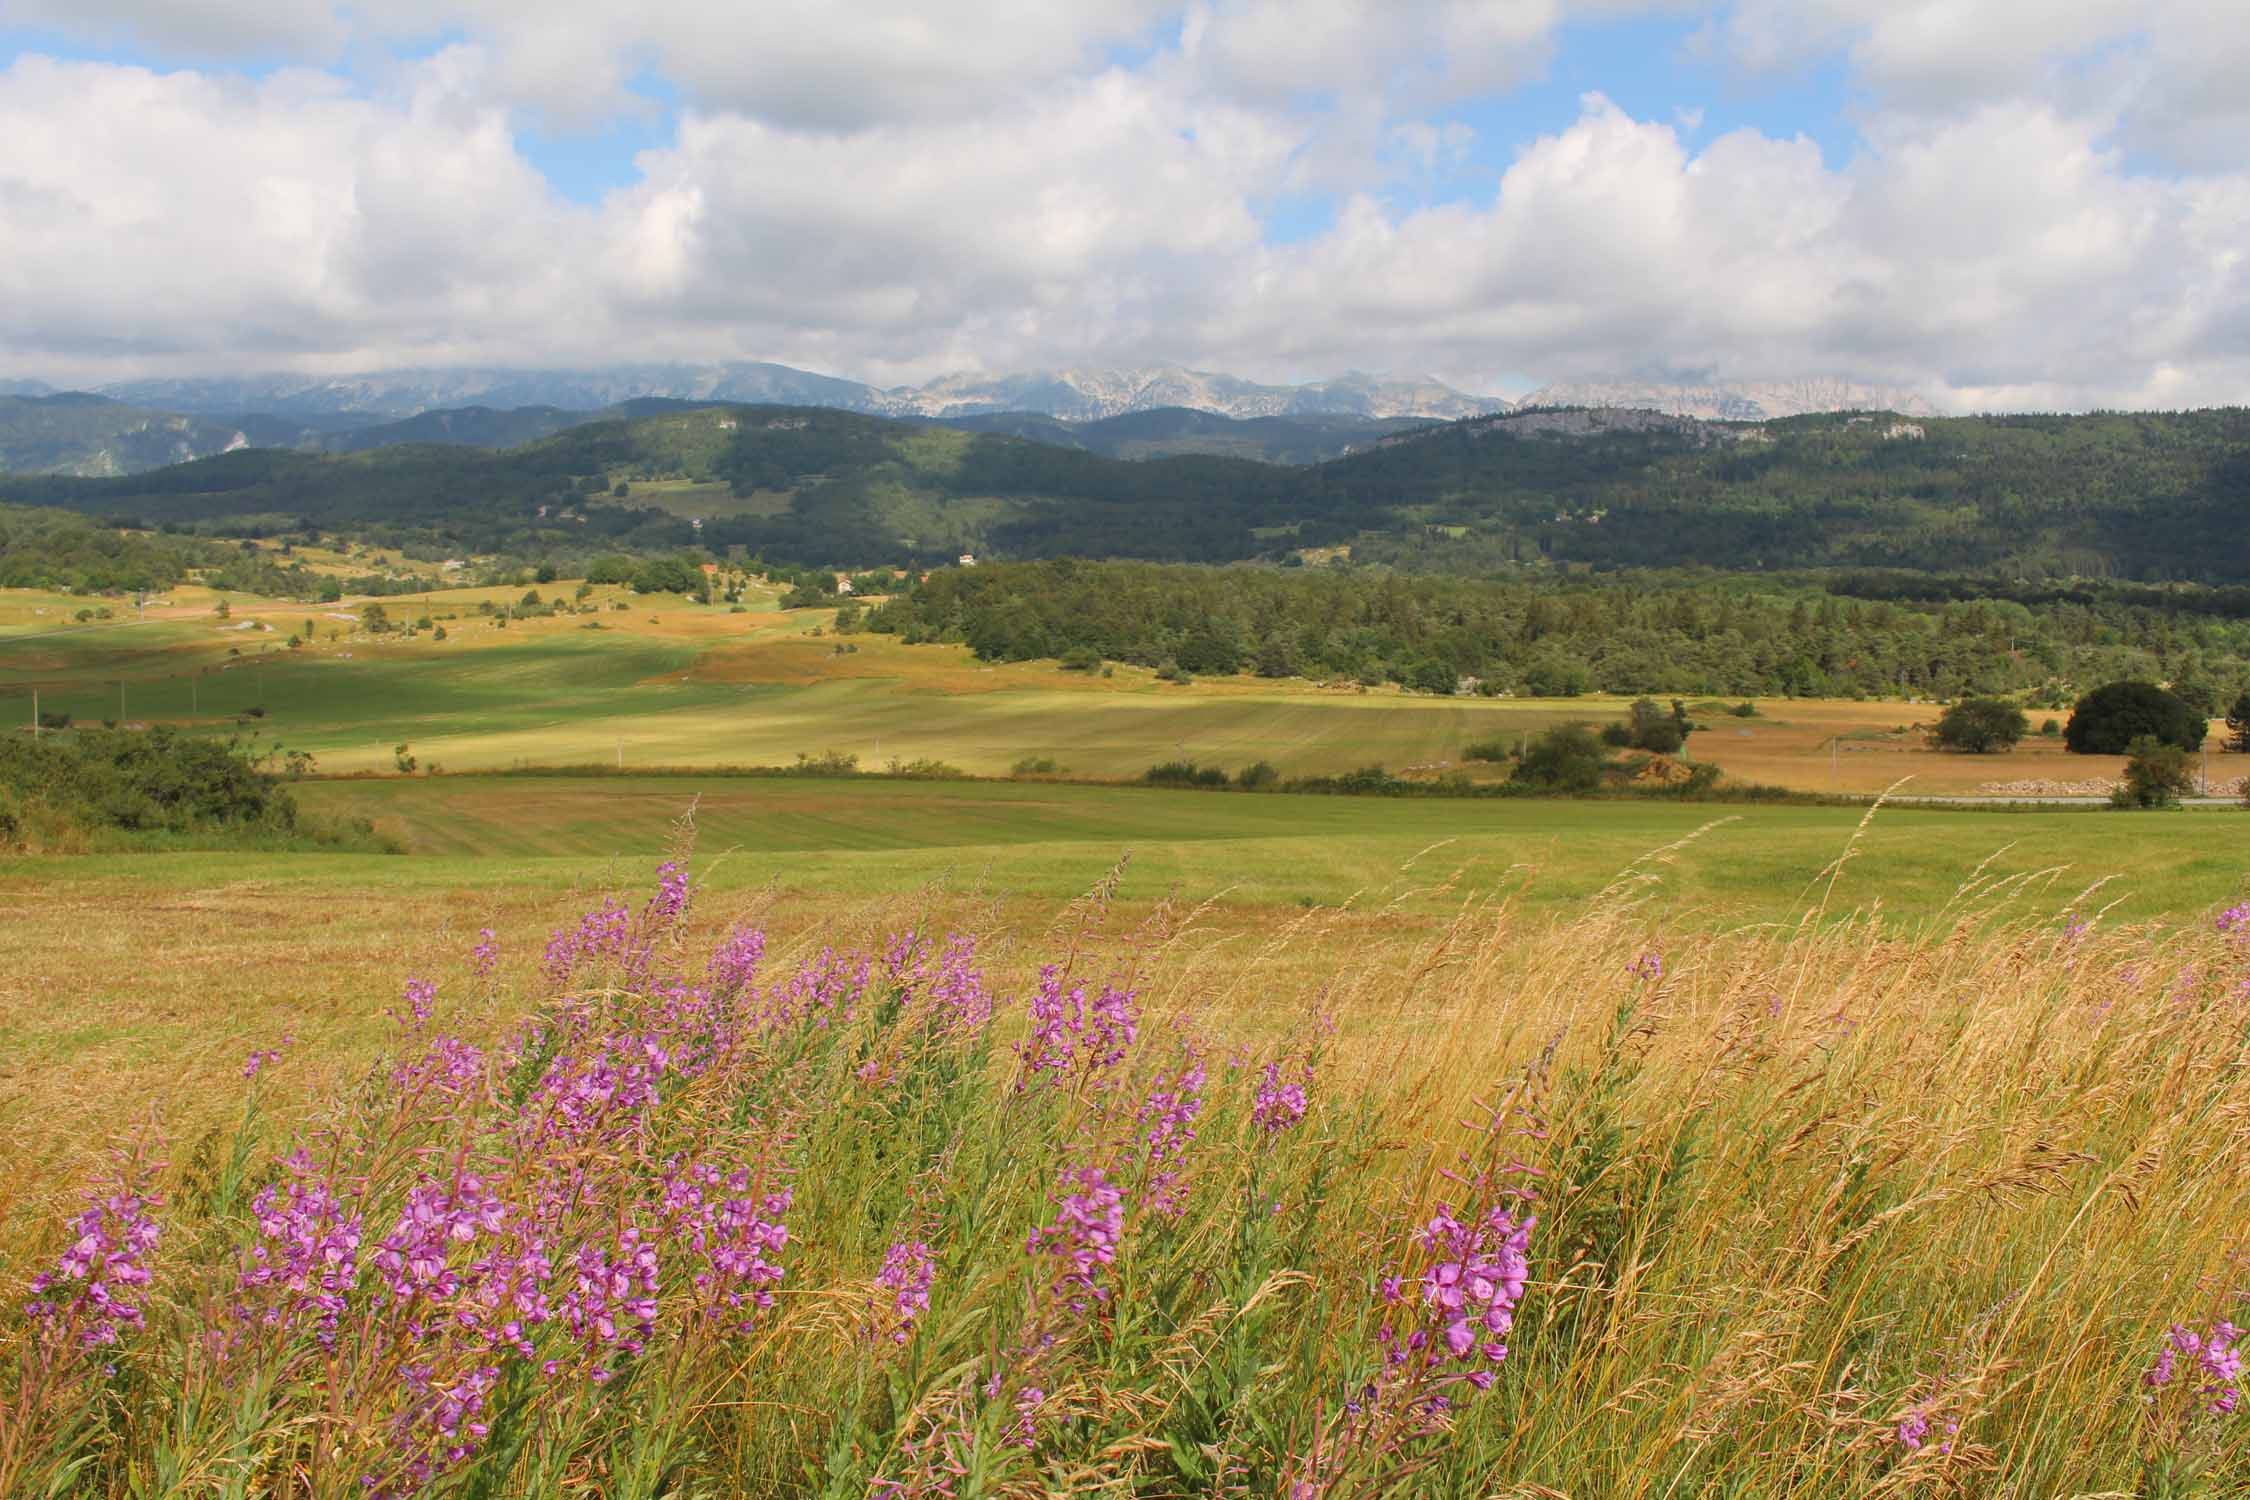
263	1058
957	994
415	1258
2235	918
1070	1034
736	1231
84	1299
670	903
1649	965
1279	1105
307	1254
421	994
825	991
907	1275
1083	1237
604	932
1168	1117
486	954
1913	1431
2213	1365
734	963
1023	1432
1451	1323
611	1305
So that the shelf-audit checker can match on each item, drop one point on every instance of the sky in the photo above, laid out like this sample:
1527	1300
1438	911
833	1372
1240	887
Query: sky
2002	204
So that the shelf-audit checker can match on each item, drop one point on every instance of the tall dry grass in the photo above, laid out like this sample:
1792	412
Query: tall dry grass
1825	1210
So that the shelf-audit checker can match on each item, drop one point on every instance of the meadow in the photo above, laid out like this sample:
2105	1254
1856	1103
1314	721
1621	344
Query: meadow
1052	1138
914	1200
668	683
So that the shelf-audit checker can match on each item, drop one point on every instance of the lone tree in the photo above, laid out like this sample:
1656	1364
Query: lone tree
2238	724
1567	758
1980	726
2108	720
2156	774
1651	728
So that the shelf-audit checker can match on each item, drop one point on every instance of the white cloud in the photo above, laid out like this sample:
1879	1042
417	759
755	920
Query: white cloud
181	214
198	29
2000	237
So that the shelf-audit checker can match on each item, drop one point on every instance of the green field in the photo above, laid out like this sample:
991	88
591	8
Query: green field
868	837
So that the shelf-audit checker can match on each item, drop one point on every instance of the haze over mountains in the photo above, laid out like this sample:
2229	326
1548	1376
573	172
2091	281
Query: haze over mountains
1072	395
143	424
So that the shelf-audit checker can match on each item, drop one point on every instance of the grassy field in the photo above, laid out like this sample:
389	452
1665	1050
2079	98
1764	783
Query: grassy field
665	682
1807	1212
1872	1155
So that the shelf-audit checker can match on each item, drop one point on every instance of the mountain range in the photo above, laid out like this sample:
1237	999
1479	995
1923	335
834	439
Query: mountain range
1074	395
2153	496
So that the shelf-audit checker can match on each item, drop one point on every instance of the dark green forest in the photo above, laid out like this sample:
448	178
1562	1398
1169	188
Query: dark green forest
2155	496
1660	633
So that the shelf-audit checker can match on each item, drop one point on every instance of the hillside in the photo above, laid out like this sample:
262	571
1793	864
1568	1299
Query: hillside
1082	394
92	436
2149	496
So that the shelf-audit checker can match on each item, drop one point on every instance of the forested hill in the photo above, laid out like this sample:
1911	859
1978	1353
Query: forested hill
2151	496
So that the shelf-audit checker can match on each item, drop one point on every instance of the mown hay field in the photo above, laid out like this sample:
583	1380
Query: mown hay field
664	682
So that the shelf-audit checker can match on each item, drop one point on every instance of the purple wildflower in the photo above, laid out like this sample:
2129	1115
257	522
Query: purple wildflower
1913	1431
1087	1226
735	1230
1472	1280
2235	918
673	893
2216	1363
309	1251
486	954
1649	965
421	995
604	932
957	994
1069	1033
1022	1433
734	963
262	1058
83	1299
1279	1105
611	1305
907	1274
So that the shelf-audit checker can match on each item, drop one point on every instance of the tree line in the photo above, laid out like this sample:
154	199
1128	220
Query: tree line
1633	634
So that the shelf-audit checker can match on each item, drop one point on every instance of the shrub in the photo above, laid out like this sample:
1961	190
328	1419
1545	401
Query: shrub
1492	751
1172	671
1567	758
1258	776
1744	710
1035	765
1184	773
1617	736
828	763
2108	720
1081	659
2156	774
2050	728
144	780
1651	728
1980	726
923	769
